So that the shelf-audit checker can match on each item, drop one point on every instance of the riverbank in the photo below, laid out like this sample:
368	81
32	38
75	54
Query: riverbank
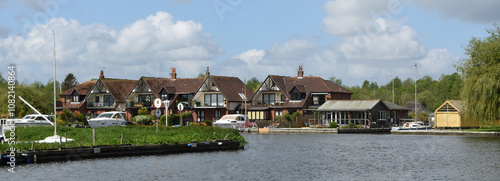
363	131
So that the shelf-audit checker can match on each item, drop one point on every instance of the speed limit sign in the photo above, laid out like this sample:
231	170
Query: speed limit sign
157	103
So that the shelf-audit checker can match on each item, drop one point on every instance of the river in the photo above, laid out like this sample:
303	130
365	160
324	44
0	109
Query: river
298	157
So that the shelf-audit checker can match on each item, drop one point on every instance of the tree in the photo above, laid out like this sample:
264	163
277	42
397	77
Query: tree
337	81
480	70
253	84
201	75
69	82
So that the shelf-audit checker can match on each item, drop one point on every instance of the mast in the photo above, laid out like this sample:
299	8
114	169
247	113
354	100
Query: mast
416	92
55	113
245	89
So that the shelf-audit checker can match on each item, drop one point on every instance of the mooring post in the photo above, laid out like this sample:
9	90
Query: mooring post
93	136
121	139
65	138
32	145
60	143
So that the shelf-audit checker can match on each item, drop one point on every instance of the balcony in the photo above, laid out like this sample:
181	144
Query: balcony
261	103
139	104
101	104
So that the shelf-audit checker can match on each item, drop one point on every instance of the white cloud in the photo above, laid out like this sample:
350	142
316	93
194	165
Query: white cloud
155	41
251	57
485	11
437	62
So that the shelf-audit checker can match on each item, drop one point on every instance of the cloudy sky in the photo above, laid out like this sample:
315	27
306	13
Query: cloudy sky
353	40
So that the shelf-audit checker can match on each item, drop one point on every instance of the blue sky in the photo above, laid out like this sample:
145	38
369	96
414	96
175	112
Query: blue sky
350	39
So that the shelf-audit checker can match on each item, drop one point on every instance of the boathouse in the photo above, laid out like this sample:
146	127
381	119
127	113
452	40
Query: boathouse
367	113
451	114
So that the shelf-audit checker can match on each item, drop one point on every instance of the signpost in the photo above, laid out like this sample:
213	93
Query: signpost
166	112
180	106
157	104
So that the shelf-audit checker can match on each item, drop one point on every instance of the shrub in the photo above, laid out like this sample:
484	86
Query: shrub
319	126
193	124
334	125
143	119
81	119
162	119
352	125
142	111
208	122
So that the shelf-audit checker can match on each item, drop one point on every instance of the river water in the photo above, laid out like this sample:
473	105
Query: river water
298	157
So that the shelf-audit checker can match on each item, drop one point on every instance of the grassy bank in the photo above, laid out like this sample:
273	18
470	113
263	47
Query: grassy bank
487	129
135	135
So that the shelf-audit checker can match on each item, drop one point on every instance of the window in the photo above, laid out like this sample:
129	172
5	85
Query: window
214	100
318	99
201	116
382	115
256	115
268	99
109	99
164	97
75	99
186	97
96	99
217	114
278	113
295	96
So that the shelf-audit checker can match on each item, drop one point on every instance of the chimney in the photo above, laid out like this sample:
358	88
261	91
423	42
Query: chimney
300	73
173	75
102	74
208	72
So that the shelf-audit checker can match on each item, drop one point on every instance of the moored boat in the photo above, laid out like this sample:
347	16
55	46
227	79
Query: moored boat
234	121
419	125
106	119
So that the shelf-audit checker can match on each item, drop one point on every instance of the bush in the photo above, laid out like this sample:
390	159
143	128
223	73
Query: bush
143	119
334	125
162	119
319	126
352	125
143	111
81	119
193	124
208	122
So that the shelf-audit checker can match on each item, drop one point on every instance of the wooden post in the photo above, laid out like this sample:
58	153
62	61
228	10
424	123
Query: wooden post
32	145
121	139
60	143
93	136
65	138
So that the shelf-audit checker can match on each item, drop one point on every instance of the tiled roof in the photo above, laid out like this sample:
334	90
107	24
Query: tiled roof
306	85
184	85
82	89
420	107
119	88
155	84
231	87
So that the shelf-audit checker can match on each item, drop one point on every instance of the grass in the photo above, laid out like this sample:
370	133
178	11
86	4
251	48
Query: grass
489	129
134	135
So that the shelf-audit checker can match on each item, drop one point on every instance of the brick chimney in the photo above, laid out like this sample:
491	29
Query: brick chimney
173	75
208	72
101	76
300	73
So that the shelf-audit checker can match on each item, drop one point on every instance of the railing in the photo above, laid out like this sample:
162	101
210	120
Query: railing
100	104
343	122
267	103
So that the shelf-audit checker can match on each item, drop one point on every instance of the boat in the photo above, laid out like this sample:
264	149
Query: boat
114	118
419	125
234	121
35	120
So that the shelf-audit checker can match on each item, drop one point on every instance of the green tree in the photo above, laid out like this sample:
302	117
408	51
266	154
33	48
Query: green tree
69	82
334	79
201	75
480	70
143	111
254	84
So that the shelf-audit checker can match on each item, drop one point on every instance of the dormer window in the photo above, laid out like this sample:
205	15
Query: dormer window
75	98
295	96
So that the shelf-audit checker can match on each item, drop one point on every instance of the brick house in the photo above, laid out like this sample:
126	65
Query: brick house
282	94
218	96
74	98
108	95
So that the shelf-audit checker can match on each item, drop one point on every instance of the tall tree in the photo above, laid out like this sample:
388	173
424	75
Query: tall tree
254	84
480	70
201	75
69	82
337	81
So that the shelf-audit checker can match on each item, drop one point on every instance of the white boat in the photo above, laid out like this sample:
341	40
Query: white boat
233	121
419	125
35	120
109	119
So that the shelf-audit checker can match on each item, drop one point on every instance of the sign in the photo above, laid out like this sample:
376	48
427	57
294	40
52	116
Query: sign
180	106
158	113
157	103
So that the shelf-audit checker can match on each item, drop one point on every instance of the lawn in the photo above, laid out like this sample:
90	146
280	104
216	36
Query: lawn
490	129
134	135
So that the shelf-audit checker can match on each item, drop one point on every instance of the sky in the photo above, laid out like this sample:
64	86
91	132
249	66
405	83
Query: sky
354	40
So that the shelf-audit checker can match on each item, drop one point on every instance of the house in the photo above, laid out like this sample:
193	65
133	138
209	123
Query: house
108	95
218	96
367	113
451	114
74	98
282	94
420	108
175	90
398	114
